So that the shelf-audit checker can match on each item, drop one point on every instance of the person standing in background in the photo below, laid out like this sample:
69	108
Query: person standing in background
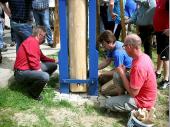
41	16
130	9
2	46
19	14
115	15
143	18
161	27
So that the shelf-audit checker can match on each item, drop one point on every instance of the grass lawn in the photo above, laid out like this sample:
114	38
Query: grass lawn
17	109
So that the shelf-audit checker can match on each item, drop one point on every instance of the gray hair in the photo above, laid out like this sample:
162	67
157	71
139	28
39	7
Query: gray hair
133	40
37	30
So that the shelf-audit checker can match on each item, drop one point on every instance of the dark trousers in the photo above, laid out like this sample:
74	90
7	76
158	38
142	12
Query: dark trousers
109	25
146	34
0	57
35	80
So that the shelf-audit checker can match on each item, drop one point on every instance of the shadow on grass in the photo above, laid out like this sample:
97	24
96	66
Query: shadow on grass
23	87
120	117
19	87
54	82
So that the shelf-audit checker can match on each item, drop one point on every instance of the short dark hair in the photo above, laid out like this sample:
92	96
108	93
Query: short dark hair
107	36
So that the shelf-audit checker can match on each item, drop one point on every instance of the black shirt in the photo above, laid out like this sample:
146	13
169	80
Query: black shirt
20	9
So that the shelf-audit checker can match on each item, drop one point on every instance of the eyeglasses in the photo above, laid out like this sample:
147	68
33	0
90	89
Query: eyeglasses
42	35
124	45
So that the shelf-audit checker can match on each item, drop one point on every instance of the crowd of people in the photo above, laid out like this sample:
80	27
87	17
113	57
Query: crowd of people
22	15
132	83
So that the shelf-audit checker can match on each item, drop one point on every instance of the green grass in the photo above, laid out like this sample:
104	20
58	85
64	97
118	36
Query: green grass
15	100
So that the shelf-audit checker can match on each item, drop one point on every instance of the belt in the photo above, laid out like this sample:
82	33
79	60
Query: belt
19	21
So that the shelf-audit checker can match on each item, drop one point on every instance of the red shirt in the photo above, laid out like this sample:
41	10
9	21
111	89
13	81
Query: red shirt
29	55
142	77
161	16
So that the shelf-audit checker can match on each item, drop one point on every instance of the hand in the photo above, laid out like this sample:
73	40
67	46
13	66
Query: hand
114	15
99	72
56	61
127	21
121	69
39	69
166	32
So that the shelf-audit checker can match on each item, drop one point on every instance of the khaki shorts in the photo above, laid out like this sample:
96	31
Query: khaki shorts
113	87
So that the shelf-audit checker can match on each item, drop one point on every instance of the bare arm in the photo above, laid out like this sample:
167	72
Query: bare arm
111	9
126	83
104	63
6	9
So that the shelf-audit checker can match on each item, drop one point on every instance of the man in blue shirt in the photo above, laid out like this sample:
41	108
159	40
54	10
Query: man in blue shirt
119	56
19	12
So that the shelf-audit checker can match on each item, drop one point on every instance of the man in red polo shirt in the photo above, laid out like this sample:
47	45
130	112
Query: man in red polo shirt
31	66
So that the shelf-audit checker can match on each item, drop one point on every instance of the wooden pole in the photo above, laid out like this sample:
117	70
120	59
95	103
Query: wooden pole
122	20
56	34
77	43
98	17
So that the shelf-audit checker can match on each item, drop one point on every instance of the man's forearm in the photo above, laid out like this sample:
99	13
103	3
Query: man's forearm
104	64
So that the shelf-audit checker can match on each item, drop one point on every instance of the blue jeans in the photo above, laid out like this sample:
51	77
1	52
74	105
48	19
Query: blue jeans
1	34
20	31
35	80
42	18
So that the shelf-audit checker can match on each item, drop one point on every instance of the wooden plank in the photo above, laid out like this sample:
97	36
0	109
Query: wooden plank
77	43
98	17
56	34
122	20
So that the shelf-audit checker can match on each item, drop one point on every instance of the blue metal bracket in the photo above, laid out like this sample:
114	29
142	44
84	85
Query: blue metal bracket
65	80
78	81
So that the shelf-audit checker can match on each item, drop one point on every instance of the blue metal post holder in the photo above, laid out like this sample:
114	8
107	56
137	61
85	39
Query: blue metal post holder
64	77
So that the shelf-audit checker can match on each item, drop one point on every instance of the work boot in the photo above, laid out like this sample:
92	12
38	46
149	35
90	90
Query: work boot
0	57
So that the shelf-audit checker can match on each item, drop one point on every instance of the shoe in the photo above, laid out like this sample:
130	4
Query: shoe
7	27
164	84
3	49
39	98
157	75
51	45
12	44
5	46
0	58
